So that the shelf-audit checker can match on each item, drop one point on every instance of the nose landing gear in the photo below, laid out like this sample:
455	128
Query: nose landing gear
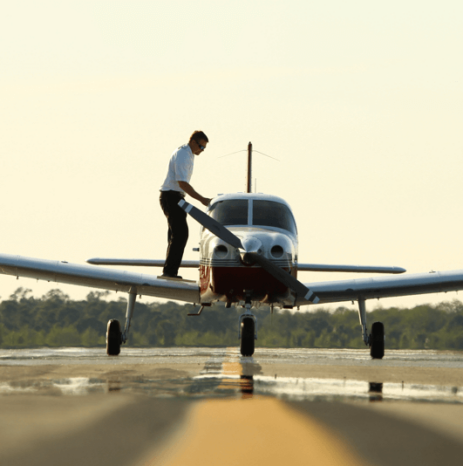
247	331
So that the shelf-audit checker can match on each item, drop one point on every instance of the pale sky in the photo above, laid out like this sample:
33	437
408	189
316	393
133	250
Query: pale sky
361	102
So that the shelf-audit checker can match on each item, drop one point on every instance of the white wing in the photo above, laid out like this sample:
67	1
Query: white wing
149	285
387	287
98	277
139	262
348	268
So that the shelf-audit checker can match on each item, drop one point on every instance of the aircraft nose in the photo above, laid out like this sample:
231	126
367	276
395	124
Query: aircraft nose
252	244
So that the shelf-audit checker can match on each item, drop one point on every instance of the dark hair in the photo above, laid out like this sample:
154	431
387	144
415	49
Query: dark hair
198	136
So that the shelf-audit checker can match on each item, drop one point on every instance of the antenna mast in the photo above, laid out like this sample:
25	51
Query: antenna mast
248	181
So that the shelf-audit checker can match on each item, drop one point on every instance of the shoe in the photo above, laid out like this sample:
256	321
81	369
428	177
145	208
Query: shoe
168	276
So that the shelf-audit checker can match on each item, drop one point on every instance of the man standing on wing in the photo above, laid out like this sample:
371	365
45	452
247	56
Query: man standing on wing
176	184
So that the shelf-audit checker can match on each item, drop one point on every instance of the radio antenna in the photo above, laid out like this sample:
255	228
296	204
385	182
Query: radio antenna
249	179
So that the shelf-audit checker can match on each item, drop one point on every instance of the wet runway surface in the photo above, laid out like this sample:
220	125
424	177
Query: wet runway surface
223	372
195	406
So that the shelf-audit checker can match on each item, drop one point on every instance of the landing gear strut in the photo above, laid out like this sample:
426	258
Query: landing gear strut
376	338
114	336
247	331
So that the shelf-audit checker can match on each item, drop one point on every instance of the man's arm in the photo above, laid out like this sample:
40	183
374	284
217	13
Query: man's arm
195	195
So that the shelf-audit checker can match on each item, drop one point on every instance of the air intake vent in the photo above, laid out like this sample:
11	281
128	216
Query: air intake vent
221	251
277	252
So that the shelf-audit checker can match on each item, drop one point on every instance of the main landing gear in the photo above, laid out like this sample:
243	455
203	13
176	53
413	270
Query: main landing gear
114	336
376	338
247	331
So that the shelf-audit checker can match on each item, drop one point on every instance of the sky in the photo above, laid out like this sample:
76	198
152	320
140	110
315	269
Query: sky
361	102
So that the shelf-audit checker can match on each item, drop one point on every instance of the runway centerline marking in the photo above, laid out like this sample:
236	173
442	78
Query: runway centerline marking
262	431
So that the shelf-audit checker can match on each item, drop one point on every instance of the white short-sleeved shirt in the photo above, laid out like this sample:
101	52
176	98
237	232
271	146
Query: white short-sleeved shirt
180	168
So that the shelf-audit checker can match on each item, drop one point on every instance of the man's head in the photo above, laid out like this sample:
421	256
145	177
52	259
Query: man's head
198	142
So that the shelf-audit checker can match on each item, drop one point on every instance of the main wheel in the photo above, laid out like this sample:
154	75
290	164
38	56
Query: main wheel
377	340
247	336
113	338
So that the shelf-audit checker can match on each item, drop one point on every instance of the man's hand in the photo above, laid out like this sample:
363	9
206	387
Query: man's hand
195	195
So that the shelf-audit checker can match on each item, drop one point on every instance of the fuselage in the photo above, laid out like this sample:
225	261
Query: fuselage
265	225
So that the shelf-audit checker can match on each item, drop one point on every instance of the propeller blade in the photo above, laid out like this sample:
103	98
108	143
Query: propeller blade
282	276
212	225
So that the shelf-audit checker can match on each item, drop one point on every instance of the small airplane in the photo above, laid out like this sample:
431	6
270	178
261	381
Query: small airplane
248	257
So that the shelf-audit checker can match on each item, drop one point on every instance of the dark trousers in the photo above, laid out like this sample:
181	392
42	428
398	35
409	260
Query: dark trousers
177	236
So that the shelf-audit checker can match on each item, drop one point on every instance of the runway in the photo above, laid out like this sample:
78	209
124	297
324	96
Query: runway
211	406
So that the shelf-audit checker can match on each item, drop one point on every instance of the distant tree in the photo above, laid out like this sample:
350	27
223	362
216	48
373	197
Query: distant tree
55	294
20	293
55	320
97	295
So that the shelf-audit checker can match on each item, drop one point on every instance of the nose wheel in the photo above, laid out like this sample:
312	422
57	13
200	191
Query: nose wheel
248	332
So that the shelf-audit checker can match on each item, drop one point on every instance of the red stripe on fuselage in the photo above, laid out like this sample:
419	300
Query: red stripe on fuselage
232	282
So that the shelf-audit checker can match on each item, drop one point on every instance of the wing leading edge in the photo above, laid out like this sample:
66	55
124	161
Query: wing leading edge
348	268
387	287
95	277
139	262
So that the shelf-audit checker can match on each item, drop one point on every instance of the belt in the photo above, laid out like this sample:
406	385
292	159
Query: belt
171	192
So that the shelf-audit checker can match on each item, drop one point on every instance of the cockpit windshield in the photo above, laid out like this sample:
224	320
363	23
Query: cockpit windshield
264	213
233	212
273	214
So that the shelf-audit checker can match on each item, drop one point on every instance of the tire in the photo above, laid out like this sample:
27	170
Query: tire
113	338
377	340
247	336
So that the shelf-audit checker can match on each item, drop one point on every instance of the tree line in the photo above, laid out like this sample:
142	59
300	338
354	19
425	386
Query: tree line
54	320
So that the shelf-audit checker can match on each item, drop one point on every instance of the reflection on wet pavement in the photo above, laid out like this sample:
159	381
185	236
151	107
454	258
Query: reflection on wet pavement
245	385
229	375
394	358
375	391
